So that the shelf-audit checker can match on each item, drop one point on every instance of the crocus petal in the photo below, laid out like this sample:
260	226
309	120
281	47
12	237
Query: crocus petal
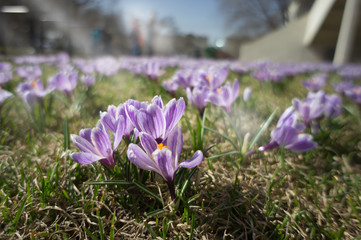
152	121
84	158
235	89
175	144
140	159
163	159
284	135
83	144
119	132
101	141
148	143
157	100
194	161
304	143
109	121
86	133
173	112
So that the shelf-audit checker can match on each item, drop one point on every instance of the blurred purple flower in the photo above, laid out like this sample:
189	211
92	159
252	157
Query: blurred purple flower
162	158
342	86
225	96
5	77
32	92
88	80
96	144
64	81
29	73
310	108
199	97
316	82
171	86
5	67
354	94
214	77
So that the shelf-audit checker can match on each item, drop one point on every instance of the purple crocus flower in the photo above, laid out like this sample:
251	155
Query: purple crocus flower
289	138
342	86
64	81
316	82
112	116
186	78
171	86
156	119
289	134
5	76
4	95
310	108
32	92
354	94
29	73
214	77
88	80
199	97
96	144
225	96
247	92
162	158
152	70
5	67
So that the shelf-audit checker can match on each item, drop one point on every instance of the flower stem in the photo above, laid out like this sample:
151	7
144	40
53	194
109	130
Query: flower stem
171	189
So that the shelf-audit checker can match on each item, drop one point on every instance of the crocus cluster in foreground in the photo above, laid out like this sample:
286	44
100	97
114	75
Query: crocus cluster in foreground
155	124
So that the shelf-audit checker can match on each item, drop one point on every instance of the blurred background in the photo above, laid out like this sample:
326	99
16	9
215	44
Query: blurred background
279	30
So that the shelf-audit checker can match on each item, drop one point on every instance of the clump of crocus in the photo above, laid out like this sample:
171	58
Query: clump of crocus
162	158
289	134
96	144
317	106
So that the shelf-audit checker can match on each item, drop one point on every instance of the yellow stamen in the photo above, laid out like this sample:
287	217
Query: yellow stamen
218	90
208	78
160	146
1	87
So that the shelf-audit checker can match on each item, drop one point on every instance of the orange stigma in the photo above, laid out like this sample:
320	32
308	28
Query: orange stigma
160	146
356	90
33	83
298	131
208	78
218	90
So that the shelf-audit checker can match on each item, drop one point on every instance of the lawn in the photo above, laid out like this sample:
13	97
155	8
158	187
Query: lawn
305	186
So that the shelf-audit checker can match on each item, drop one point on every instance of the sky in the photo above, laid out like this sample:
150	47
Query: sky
198	17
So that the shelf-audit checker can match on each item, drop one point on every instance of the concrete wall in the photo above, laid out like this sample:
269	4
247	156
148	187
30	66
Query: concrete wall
283	45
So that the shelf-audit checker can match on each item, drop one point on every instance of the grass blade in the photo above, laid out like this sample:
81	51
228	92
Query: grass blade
224	154
222	135
18	214
110	182
146	190
263	128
